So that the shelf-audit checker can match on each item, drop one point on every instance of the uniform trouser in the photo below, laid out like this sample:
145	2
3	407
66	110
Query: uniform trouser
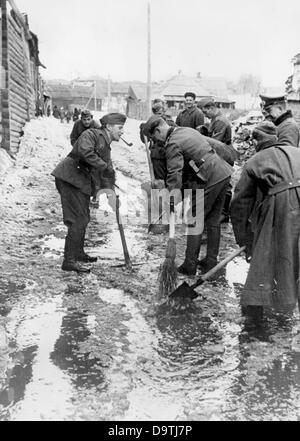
159	168
76	216
228	198
214	198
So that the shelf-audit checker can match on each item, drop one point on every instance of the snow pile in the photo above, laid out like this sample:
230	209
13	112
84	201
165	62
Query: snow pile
5	161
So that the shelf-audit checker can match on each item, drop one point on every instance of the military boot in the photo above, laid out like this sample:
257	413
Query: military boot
212	249
81	255
189	266
70	257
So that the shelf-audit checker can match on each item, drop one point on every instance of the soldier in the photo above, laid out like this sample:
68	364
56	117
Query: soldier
191	116
265	213
219	129
275	110
207	171
85	122
74	183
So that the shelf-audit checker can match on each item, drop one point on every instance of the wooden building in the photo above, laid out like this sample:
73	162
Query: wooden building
22	91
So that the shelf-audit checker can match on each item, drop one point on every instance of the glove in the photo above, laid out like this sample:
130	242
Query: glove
159	184
113	201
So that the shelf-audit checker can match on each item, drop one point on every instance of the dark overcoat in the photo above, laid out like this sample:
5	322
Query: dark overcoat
288	130
185	144
271	222
220	129
193	118
79	128
91	153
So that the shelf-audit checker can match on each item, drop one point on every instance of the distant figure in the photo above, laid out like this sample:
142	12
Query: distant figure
191	116
55	112
62	114
68	115
75	114
85	122
48	110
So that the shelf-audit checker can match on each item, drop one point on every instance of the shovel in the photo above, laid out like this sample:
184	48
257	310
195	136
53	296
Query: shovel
188	292
128	263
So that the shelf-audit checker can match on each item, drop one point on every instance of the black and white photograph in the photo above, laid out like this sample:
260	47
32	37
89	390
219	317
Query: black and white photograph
150	213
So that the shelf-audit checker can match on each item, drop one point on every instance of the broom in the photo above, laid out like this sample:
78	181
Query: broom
168	271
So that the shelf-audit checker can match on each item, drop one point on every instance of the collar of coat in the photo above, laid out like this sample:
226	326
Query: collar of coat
191	109
263	145
283	117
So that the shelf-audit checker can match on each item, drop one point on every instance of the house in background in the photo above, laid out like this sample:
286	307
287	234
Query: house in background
204	87
293	89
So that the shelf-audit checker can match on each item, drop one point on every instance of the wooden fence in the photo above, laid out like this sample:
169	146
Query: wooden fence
21	85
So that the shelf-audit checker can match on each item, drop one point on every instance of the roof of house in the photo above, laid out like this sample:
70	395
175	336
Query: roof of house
178	85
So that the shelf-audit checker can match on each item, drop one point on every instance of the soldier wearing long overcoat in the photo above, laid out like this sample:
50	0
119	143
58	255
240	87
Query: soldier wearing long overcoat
265	214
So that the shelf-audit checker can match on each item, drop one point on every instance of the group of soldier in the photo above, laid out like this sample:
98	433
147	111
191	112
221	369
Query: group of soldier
195	153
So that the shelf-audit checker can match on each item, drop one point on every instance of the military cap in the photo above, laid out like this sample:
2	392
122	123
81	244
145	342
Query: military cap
113	118
86	113
157	107
151	124
205	102
267	101
191	94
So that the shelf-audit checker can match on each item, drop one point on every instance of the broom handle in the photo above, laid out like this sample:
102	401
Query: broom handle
172	220
217	267
152	177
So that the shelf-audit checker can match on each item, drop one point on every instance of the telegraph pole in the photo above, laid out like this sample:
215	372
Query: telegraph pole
108	93
149	61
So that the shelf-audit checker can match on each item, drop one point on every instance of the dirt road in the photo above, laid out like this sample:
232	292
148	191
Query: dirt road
97	346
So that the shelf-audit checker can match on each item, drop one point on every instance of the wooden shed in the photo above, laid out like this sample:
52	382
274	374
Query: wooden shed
22	91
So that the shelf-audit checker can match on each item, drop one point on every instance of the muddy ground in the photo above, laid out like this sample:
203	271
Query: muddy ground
99	346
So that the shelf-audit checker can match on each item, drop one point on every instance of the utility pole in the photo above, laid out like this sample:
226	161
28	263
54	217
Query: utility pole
95	91
149	63
108	93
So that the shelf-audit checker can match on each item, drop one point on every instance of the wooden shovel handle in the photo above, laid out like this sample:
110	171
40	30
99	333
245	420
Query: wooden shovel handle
218	267
123	240
152	177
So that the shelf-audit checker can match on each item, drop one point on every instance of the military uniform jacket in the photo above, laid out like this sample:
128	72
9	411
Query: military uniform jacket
79	128
190	118
91	153
220	129
185	144
288	130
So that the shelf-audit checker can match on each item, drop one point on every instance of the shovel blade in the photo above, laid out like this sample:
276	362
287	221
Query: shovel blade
184	291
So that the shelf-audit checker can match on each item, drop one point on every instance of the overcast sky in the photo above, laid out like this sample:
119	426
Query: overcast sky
214	37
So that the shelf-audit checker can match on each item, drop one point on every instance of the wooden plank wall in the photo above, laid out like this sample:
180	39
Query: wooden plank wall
18	98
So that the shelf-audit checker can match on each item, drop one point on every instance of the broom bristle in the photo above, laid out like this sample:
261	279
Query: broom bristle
167	277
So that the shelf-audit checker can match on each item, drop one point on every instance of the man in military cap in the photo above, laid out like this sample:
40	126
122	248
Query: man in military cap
219	129
275	109
73	178
191	116
193	164
85	122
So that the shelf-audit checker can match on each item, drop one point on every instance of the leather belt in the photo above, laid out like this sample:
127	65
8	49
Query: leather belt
283	186
206	155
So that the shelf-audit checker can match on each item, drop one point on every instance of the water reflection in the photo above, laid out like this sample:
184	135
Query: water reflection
85	370
18	377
